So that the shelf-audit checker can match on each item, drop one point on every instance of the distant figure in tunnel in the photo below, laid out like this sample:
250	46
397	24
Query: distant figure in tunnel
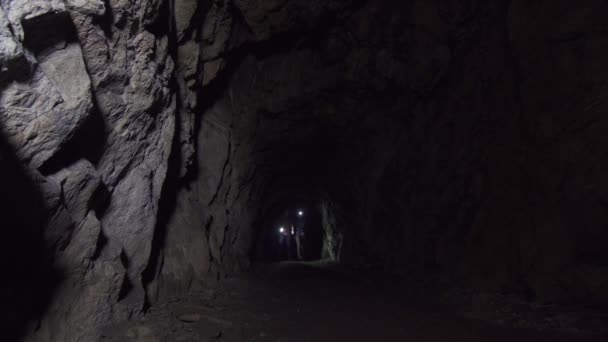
283	244
300	220
292	248
299	237
291	239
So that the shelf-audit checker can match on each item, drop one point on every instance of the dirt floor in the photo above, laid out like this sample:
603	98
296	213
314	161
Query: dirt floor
318	302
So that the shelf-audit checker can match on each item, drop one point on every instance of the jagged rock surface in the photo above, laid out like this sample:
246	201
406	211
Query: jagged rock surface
90	111
154	136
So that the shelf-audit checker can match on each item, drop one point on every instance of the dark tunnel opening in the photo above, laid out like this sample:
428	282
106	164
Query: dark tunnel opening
291	232
296	167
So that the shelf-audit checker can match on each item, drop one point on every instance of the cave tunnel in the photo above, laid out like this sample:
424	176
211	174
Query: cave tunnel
285	170
296	167
293	233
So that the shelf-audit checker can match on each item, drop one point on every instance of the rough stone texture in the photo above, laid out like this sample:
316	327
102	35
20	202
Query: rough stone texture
156	136
72	72
12	56
131	75
90	7
22	12
42	113
78	184
458	125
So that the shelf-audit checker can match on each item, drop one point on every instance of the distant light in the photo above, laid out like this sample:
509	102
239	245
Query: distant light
281	230
300	213
293	232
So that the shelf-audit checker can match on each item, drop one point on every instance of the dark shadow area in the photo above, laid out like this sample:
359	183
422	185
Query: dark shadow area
28	277
166	206
48	32
88	143
105	21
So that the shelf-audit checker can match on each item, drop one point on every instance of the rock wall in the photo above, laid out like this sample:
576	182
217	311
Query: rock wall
448	135
88	108
146	141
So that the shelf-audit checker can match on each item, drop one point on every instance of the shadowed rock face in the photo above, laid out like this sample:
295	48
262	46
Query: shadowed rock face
156	138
